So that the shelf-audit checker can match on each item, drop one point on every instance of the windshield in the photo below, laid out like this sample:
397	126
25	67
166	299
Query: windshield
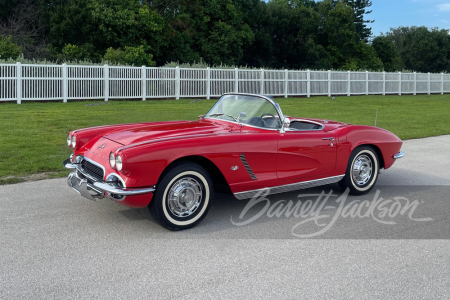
243	109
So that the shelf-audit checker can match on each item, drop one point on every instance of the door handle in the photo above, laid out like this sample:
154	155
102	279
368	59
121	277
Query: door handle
329	139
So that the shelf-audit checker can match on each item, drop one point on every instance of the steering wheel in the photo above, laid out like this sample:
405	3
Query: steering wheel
267	114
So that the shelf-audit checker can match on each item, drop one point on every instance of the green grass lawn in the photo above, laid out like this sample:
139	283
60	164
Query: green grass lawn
33	135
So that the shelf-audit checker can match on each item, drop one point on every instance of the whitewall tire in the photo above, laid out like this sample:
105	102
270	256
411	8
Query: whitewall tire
362	171
182	197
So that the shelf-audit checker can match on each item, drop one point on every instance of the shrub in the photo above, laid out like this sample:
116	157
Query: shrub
131	55
9	50
79	53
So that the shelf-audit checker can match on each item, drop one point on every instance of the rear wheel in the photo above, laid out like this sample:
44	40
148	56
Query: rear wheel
362	171
183	197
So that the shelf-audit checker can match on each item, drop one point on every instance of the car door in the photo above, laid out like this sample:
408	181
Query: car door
305	154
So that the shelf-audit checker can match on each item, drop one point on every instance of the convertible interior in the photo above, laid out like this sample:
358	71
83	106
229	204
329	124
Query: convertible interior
268	121
303	125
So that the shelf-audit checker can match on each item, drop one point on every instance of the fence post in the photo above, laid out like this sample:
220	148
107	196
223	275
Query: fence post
65	87
144	82
349	86
236	80
400	83
329	83
429	83
19	83
415	83
177	83
262	81
106	82
442	83
384	83
367	83
286	82
308	84
208	83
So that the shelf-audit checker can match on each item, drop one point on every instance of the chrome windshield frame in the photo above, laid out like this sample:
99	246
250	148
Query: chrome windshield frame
275	105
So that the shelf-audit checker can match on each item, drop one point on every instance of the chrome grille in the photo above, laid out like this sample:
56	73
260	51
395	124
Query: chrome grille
91	169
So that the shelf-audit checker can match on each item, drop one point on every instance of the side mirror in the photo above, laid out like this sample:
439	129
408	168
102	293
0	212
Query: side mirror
286	123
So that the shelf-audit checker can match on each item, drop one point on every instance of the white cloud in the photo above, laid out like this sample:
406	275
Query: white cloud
444	7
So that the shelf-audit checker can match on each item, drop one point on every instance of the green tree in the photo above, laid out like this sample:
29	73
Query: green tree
6	7
422	49
360	8
385	50
102	24
340	38
212	30
285	36
9	50
338	33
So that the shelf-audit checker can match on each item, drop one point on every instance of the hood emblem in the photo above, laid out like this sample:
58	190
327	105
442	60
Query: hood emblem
102	146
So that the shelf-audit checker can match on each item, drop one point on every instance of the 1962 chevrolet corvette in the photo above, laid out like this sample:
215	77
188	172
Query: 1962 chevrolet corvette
244	143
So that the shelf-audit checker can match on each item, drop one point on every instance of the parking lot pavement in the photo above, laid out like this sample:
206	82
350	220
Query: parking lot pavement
57	245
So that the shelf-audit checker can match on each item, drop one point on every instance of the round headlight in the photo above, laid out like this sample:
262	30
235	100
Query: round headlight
118	163
69	140
112	160
74	142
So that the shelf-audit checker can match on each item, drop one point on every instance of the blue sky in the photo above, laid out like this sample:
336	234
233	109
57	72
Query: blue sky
395	13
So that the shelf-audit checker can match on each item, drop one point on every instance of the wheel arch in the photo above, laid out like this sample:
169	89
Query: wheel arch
219	181
377	151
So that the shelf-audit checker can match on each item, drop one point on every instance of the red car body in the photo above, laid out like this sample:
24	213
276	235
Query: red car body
245	158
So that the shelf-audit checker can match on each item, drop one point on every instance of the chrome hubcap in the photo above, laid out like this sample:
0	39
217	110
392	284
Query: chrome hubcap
184	197
362	170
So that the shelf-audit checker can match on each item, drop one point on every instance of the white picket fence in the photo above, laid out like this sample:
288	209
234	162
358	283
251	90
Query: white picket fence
21	82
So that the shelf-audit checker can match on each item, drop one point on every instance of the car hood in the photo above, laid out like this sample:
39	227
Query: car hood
147	132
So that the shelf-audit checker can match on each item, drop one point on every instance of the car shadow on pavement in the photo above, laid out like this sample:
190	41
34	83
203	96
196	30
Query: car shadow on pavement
387	212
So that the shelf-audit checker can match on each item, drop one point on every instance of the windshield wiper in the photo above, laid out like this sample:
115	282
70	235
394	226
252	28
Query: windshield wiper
218	115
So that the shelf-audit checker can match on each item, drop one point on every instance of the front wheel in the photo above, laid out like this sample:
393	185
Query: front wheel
362	171
183	197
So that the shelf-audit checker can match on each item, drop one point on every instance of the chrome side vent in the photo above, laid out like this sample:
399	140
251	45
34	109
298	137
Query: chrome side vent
247	167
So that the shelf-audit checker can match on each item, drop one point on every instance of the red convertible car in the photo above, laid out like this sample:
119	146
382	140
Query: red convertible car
243	144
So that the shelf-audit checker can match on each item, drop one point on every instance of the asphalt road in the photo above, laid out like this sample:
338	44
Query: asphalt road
56	245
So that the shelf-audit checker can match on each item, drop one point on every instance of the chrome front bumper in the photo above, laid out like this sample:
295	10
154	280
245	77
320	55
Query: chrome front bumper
399	155
91	189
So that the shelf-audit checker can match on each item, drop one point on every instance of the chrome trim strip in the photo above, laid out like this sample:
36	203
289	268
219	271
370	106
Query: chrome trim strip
307	121
110	189
399	155
290	187
101	126
171	138
247	167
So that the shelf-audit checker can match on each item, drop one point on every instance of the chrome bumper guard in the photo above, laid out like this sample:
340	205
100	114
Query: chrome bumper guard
91	189
399	155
